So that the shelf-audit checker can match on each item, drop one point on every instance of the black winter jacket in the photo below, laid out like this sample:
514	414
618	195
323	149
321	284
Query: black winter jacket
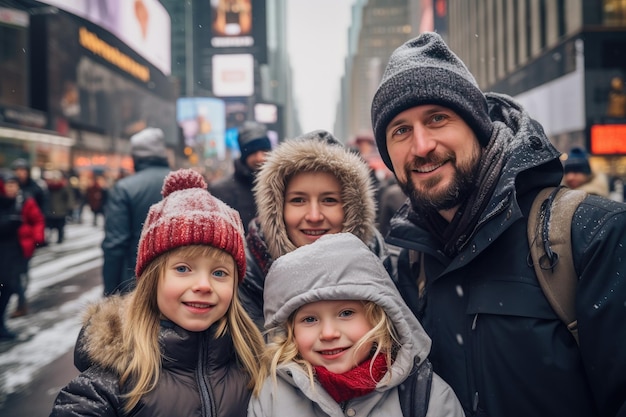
200	374
496	340
125	211
236	191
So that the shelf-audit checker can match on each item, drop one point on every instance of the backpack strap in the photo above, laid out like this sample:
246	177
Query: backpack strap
549	237
420	381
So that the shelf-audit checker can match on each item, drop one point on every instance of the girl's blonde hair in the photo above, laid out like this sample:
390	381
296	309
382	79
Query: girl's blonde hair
282	347
141	328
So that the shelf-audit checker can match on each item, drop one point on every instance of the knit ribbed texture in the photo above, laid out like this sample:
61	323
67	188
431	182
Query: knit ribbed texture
190	215
577	161
252	138
149	143
425	71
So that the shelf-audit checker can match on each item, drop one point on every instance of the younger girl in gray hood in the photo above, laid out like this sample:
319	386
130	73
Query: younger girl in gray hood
342	340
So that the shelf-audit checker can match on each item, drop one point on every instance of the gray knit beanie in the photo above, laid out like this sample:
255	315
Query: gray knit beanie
425	71
149	143
252	138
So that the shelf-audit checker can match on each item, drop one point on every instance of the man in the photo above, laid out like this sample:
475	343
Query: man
578	174
236	189
471	165
127	206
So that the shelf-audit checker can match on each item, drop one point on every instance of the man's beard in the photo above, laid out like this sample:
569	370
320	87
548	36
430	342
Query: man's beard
460	188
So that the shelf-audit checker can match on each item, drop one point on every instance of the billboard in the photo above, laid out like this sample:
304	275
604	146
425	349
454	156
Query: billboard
203	122
233	75
143	25
90	79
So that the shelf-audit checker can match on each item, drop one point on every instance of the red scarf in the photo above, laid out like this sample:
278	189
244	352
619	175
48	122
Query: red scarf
356	382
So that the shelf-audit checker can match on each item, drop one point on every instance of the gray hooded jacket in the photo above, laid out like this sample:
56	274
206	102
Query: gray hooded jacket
340	267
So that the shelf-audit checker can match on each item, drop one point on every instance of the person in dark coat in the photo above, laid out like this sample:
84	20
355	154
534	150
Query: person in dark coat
180	344
60	202
22	228
347	204
126	208
30	187
471	164
236	189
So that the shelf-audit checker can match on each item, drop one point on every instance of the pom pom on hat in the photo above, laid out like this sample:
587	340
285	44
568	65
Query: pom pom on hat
425	71
190	215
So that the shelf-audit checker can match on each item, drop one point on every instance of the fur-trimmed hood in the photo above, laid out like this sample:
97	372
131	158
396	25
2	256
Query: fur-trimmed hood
100	340
313	152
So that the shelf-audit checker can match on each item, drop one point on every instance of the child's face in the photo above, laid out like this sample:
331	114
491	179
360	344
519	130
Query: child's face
326	332
313	207
195	292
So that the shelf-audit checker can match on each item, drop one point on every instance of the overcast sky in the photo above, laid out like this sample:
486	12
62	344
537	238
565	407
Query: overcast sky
317	40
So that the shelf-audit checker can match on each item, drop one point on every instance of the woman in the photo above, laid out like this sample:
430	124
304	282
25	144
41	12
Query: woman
308	187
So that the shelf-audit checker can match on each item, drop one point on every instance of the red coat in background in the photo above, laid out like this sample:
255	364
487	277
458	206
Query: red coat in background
31	232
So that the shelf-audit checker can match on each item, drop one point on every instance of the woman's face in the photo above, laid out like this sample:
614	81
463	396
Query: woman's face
313	207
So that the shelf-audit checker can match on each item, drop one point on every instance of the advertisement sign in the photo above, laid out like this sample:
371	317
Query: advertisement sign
233	75
203	122
91	79
144	25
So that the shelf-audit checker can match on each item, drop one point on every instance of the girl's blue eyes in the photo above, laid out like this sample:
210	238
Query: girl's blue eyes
182	269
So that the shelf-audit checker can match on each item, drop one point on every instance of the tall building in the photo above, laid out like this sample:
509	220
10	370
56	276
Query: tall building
378	27
563	60
197	41
79	78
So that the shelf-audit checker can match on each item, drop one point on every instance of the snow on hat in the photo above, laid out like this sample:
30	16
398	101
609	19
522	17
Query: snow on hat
425	71
190	215
577	161
252	138
150	142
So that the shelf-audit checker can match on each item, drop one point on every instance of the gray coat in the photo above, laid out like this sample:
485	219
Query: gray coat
340	267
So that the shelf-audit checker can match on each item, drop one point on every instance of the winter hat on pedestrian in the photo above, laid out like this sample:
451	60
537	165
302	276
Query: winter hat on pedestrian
425	71
577	161
252	138
149	143
20	163
190	215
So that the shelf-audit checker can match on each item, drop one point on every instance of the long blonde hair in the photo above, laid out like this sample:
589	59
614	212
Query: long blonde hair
282	347
141	329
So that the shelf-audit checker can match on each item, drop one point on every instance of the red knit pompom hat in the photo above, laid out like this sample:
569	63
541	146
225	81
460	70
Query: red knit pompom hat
190	215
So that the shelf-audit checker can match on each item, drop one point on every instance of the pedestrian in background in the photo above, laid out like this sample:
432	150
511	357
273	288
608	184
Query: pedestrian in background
180	344
37	191
472	164
96	196
342	340
236	189
60	202
579	176
22	227
308	187
126	208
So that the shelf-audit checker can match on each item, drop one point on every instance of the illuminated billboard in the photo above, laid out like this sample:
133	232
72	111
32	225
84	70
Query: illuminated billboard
233	75
144	25
90	79
203	122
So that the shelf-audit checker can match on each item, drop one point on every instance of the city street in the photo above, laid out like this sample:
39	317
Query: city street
63	279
